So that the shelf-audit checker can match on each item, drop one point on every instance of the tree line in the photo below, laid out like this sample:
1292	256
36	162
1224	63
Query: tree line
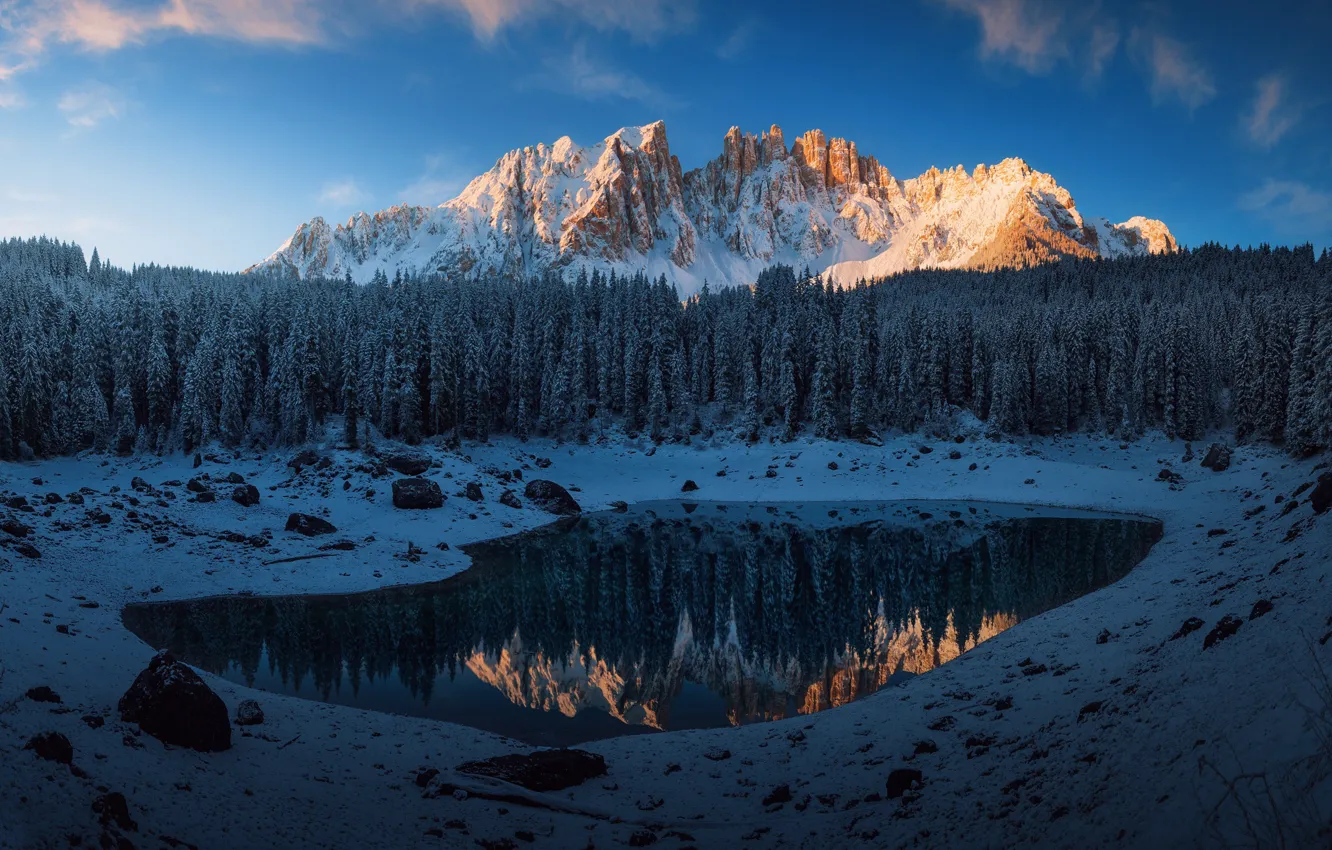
164	359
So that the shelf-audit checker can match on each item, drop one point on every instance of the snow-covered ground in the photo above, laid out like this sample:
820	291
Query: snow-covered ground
1131	740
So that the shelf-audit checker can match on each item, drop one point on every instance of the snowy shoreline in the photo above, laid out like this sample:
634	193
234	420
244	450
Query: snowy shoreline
348	779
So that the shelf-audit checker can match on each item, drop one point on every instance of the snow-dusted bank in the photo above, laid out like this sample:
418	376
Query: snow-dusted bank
1088	726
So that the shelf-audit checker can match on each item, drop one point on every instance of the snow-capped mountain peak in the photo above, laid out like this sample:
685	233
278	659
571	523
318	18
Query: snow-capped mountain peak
625	203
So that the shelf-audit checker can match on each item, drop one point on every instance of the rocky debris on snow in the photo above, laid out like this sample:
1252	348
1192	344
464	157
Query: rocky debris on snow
1217	458
1090	709
309	457
248	713
1169	475
406	463
245	495
339	546
424	776
779	794
902	780
51	746
551	497
542	463
1321	497
1224	628
473	492
1261	607
170	702
113	809
510	499
417	494
543	770
310	526
925	747
689	486
137	483
1188	627
619	506
14	528
42	693
195	485
27	550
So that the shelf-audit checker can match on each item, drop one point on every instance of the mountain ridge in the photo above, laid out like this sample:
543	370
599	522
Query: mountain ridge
625	203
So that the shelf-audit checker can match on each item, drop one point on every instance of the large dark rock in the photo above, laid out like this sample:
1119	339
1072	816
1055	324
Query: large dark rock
42	693
407	463
689	486
14	528
473	492
901	781
309	457
551	497
194	485
1217	458
51	746
170	702
510	499
544	770
417	494
1224	628
245	495
310	526
1321	497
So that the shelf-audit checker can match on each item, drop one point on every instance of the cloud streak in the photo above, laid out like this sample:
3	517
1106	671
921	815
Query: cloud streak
1272	115
1292	206
90	105
342	194
642	19
581	75
1174	72
1038	35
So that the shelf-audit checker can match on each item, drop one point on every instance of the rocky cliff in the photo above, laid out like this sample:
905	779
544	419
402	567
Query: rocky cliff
626	204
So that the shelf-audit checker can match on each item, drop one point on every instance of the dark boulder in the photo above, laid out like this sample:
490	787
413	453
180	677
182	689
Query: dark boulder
1261	607
14	528
42	693
407	463
170	702
51	746
417	494
138	483
473	491
619	507
543	770
1217	458
1224	628
245	495
248	713
113	808
551	497
1321	497
194	485
309	457
901	781
1189	626
780	794
234	478
206	497
689	486
509	498
310	526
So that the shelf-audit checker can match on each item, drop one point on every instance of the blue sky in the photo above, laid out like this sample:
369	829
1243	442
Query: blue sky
204	131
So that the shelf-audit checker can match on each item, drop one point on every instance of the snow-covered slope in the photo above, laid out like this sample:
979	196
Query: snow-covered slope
625	204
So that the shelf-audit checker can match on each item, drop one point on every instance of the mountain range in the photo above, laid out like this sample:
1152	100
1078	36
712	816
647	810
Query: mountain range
626	204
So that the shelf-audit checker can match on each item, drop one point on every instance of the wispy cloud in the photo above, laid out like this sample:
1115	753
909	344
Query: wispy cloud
1174	72
642	19
1292	206
1038	35
11	99
1272	114
90	105
442	180
343	194
581	75
738	42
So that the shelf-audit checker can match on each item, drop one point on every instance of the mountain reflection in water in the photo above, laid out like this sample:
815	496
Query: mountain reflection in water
672	616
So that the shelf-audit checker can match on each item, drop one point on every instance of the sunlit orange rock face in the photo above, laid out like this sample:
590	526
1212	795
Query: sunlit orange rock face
626	204
751	690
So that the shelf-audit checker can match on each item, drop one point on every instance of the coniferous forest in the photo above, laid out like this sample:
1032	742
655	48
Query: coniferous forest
168	359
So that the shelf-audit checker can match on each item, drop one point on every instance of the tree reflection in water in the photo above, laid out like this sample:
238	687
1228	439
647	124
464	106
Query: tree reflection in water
672	616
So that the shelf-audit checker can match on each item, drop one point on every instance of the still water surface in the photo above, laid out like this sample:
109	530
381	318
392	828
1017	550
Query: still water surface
672	616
